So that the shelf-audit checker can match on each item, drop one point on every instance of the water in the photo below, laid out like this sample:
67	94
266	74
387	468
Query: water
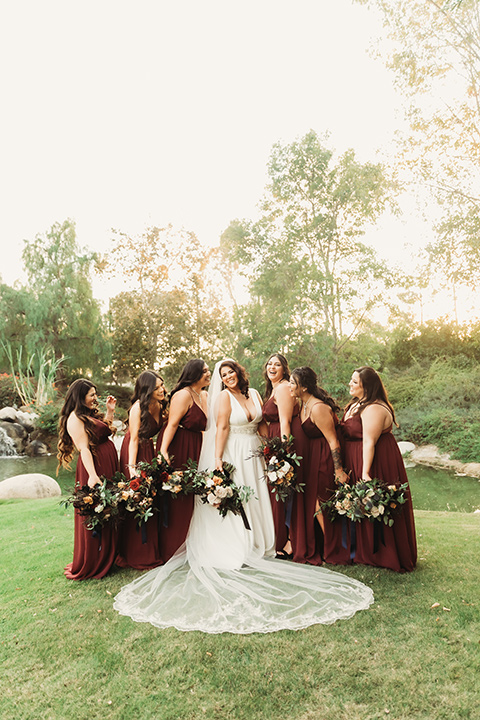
7	446
432	489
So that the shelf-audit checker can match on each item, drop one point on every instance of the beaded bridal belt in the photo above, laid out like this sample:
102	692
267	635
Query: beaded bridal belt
239	430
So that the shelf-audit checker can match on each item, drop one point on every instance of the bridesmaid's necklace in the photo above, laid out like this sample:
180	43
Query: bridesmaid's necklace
305	406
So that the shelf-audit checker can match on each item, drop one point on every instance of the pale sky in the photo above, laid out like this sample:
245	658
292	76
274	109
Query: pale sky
129	114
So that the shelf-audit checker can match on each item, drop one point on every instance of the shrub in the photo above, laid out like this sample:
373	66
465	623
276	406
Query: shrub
8	393
48	418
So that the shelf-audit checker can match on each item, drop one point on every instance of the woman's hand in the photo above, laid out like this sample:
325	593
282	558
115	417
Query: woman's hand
341	476
111	403
93	480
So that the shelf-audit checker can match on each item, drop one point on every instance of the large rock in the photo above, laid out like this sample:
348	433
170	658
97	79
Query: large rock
406	447
36	448
27	419
9	414
30	485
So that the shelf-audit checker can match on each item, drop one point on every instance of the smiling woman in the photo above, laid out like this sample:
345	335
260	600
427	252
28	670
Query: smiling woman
81	426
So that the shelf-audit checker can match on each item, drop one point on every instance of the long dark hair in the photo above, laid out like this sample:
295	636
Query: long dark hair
242	375
75	402
374	390
286	373
191	373
145	385
307	378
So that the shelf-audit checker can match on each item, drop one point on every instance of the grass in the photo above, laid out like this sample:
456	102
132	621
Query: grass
65	653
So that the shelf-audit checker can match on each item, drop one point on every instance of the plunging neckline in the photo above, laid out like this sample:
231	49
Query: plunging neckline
249	420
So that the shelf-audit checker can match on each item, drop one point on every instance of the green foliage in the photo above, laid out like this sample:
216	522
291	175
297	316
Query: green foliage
60	311
434	50
34	377
454	431
312	282
174	311
8	391
48	418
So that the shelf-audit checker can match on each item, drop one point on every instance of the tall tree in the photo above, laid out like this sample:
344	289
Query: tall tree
172	309
309	272
60	311
433	47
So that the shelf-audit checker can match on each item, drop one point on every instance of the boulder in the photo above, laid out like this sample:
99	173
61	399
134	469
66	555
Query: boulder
9	414
36	448
28	486
17	433
27	419
406	447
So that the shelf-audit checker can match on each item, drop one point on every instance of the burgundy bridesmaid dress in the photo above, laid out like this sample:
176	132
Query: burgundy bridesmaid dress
289	517
138	545
320	484
382	546
176	513
94	555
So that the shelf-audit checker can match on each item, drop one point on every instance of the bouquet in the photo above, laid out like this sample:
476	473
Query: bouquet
366	499
281	466
98	505
217	488
180	481
138	494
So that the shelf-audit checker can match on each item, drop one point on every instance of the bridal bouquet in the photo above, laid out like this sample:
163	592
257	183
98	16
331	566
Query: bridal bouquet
98	505
217	488
281	466
366	500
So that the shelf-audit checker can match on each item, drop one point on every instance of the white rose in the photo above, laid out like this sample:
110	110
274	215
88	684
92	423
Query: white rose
272	476
99	508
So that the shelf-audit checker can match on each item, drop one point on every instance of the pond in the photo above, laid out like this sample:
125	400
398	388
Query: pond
432	489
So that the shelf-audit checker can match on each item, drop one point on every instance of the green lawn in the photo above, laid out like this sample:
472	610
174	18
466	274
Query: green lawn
65	653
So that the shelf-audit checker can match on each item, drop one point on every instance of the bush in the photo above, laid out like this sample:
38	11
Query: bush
8	393
48	418
454	431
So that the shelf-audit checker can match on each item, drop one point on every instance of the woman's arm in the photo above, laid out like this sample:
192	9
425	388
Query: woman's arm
223	428
322	416
375	419
76	430
134	419
179	405
111	404
285	404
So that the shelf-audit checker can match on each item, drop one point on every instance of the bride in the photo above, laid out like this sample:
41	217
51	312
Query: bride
225	578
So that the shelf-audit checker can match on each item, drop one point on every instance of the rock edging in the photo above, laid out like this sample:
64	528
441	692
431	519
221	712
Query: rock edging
431	455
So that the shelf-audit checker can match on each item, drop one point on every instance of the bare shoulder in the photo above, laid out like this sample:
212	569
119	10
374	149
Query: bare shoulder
322	411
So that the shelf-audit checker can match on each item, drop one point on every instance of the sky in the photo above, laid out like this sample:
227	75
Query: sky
130	114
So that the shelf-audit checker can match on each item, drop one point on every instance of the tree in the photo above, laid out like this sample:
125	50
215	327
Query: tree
174	308
312	281
60	311
434	50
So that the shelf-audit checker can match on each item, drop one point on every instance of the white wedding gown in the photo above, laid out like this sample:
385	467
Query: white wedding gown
225	578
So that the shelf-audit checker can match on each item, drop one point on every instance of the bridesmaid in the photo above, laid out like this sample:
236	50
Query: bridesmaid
371	451
180	441
281	413
138	546
81	426
323	461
